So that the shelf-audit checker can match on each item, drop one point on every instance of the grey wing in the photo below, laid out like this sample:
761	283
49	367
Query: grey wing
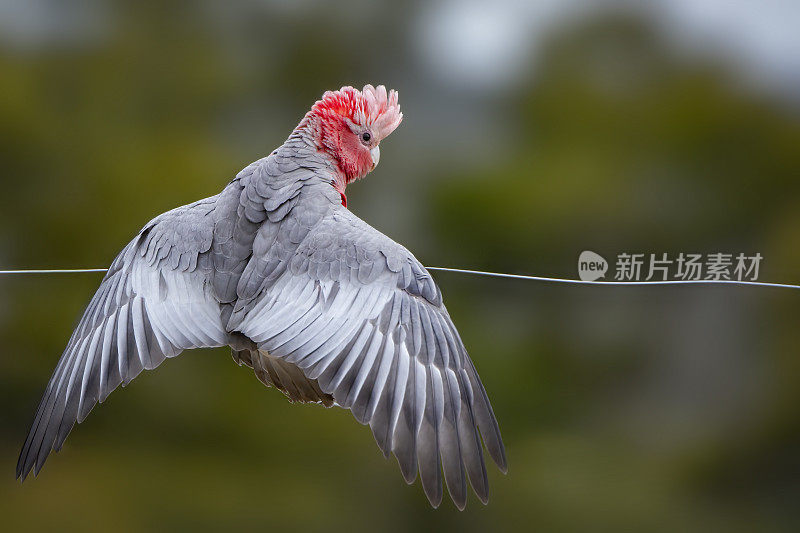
152	304
357	313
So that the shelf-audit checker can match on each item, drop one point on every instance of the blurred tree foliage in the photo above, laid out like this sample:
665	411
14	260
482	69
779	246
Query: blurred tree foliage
619	145
649	409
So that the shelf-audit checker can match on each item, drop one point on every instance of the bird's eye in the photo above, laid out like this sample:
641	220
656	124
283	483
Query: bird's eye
366	136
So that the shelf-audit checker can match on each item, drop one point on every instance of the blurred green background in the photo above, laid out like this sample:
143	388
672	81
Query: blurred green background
532	131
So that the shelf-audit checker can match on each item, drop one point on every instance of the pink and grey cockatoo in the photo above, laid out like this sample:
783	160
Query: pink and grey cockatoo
318	303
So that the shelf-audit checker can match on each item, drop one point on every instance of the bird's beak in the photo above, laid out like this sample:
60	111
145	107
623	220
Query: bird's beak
376	156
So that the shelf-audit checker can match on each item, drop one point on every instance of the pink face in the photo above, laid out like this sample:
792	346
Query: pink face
350	124
353	146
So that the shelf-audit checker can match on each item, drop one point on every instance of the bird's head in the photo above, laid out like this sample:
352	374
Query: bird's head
348	125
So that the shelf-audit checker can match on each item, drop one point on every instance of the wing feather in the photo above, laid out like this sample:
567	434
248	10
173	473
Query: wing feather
109	372
428	444
404	439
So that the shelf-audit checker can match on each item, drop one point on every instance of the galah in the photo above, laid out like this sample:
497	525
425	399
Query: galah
318	303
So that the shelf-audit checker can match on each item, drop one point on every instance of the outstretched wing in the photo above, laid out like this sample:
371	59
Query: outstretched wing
359	314
152	304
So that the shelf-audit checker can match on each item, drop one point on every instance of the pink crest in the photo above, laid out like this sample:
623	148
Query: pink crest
372	107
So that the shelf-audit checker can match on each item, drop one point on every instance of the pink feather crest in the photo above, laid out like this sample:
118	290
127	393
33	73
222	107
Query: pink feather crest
372	107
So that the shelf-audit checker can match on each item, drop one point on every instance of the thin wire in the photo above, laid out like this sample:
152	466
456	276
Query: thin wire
618	283
54	271
502	275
